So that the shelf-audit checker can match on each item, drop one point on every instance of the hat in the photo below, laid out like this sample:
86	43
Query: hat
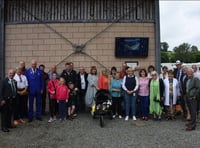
178	62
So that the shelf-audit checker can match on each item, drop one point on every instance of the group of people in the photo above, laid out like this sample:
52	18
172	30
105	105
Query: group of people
135	93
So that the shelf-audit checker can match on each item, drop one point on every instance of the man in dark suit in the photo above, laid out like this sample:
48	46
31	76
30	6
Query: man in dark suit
8	96
82	84
192	89
35	89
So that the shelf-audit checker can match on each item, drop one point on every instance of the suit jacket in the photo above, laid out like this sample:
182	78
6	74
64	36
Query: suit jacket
6	89
35	81
175	73
79	81
193	87
69	77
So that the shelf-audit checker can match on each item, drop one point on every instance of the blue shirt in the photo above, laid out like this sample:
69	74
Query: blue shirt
116	84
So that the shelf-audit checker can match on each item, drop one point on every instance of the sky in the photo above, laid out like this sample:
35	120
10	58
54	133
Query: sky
180	22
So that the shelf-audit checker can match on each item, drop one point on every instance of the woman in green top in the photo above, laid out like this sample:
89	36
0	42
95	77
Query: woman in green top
156	95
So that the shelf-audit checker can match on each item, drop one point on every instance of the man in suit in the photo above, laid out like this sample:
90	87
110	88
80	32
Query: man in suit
8	98
192	89
82	87
44	94
35	89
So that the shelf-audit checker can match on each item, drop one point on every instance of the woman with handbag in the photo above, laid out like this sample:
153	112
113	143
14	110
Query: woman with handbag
51	88
156	95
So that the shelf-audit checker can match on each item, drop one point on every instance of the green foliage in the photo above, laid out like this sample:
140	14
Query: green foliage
184	52
164	46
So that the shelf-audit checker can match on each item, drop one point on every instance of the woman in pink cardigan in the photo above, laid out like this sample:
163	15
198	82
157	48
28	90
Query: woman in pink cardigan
143	93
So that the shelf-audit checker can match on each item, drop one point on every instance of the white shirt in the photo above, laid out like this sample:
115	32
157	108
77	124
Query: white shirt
196	74
83	85
21	82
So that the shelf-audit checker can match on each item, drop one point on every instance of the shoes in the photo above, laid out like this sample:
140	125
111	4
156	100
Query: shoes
5	130
120	116
134	118
50	120
126	119
15	122
142	118
114	116
74	115
146	118
39	118
190	128
22	121
187	124
54	118
30	120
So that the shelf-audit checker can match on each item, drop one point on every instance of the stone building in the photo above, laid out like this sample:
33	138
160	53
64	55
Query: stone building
81	31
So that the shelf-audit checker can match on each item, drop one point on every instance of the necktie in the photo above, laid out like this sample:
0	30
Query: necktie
13	88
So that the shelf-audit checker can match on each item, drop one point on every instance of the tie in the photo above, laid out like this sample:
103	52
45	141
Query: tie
13	88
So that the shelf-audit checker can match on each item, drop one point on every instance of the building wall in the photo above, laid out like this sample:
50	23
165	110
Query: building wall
36	41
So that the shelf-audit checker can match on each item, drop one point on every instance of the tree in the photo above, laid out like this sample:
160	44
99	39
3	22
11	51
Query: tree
194	48
182	52
164	46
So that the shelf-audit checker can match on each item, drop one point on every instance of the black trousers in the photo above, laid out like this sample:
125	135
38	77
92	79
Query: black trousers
43	96
81	101
5	115
22	106
53	107
116	105
192	105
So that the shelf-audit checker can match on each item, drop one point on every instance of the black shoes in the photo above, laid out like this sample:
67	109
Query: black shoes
39	118
30	120
5	130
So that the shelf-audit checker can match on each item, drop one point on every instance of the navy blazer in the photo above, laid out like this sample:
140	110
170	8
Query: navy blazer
35	81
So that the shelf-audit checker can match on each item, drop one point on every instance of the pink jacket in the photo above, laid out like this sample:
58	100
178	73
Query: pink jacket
51	87
62	92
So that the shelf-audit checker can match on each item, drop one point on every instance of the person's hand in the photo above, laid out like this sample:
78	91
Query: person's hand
66	101
57	101
3	102
41	91
76	89
53	92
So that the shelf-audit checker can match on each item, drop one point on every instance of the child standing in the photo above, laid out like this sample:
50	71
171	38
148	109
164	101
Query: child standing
51	88
62	95
72	100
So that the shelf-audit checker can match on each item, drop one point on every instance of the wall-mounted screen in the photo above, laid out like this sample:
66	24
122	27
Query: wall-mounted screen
131	47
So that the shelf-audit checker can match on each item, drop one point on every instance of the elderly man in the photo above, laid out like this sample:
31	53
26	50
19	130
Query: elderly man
8	98
53	70
82	87
22	66
192	89
196	73
35	89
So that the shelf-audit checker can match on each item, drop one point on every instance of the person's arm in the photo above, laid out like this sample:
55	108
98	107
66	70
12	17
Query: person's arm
137	84
123	84
67	94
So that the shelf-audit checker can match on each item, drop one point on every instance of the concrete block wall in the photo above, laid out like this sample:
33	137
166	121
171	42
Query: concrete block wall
36	41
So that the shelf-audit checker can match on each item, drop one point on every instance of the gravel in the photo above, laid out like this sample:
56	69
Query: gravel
85	132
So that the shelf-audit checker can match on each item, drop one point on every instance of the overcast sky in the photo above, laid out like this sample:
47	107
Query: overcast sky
180	22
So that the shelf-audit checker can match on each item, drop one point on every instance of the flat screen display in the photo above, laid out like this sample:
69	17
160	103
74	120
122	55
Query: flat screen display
131	47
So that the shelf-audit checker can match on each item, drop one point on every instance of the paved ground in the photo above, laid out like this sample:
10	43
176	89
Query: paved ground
84	132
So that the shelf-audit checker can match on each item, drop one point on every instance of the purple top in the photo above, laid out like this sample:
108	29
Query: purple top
143	86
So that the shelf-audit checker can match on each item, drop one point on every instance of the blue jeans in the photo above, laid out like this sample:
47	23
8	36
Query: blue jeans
144	100
62	109
130	102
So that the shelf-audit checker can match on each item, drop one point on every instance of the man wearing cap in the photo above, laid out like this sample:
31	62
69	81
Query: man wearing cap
178	72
